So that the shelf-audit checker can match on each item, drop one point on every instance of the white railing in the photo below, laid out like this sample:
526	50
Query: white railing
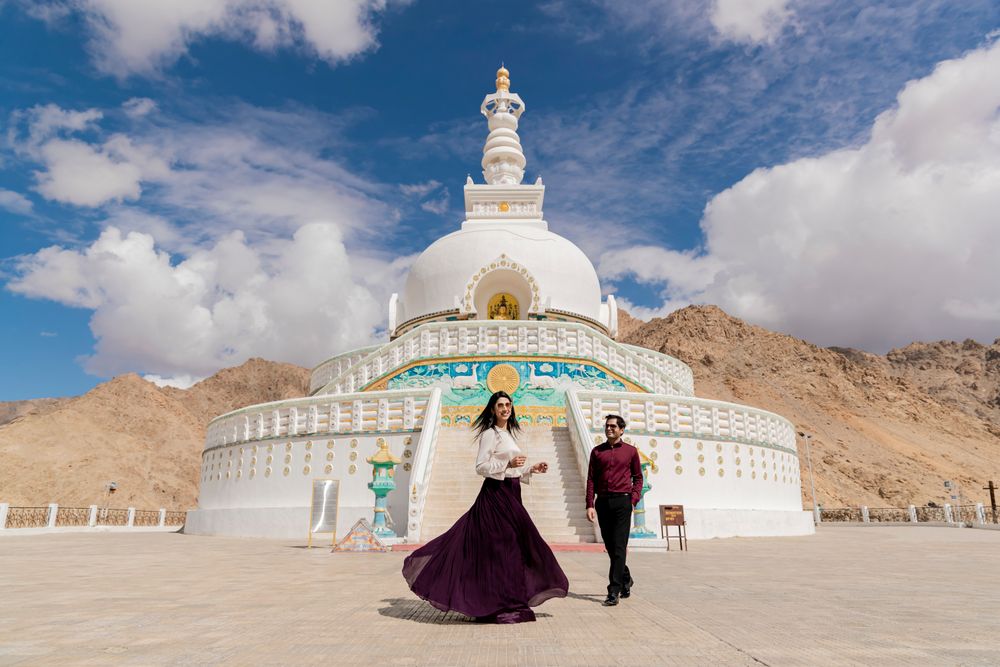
338	365
423	461
579	433
522	338
385	411
686	416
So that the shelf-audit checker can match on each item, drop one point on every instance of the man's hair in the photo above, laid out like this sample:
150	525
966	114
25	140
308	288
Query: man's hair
618	420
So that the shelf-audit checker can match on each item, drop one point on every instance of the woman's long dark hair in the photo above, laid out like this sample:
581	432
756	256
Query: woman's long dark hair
487	419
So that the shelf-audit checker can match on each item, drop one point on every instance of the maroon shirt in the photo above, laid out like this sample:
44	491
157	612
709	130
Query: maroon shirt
614	469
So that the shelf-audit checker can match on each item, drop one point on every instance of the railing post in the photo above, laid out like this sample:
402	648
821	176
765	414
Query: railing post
980	514
53	513
947	514
131	517
817	514
163	517
912	509
92	521
4	508
864	514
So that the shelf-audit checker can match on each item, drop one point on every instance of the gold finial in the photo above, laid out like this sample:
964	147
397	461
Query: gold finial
503	79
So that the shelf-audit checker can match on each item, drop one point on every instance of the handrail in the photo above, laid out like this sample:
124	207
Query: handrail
672	375
580	436
422	463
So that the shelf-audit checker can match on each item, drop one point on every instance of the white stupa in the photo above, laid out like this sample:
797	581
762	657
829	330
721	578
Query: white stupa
502	303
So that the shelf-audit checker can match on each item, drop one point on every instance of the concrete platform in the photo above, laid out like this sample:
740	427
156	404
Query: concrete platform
893	596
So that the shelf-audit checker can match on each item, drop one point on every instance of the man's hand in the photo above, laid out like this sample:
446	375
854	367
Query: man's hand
517	461
540	467
591	514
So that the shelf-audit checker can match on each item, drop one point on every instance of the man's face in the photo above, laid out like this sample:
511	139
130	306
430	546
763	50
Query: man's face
611	430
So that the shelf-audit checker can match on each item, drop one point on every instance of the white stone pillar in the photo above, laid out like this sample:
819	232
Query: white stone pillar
947	513
131	517
92	520
980	514
53	513
4	508
913	513
163	518
864	514
817	514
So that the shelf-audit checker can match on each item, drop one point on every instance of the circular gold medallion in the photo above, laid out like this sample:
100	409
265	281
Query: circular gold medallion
503	377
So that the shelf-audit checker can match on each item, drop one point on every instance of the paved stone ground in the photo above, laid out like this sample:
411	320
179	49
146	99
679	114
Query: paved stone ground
885	596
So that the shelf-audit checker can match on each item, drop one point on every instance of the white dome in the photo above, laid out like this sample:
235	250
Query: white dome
462	271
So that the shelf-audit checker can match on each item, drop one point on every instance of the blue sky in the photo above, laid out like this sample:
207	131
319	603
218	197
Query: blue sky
186	185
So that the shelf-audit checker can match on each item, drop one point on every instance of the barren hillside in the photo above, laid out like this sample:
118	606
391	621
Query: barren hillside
878	437
146	439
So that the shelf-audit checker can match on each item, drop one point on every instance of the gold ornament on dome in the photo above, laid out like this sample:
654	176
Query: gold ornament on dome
503	377
503	306
503	79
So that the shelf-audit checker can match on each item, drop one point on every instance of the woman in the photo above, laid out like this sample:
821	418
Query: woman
492	564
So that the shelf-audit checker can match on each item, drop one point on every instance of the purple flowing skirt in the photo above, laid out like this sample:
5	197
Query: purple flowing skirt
492	564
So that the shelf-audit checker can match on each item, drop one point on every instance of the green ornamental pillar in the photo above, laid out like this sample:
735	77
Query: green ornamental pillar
639	513
383	481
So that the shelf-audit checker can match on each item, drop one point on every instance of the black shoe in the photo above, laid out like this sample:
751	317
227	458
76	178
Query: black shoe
627	588
611	600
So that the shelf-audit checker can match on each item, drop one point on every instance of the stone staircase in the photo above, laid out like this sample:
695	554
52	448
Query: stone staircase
555	500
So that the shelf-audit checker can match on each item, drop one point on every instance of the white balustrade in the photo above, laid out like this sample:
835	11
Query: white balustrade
336	366
658	373
683	415
369	411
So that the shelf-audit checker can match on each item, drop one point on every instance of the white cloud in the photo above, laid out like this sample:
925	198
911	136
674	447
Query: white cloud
292	300
128	37
750	21
177	381
872	247
137	107
15	202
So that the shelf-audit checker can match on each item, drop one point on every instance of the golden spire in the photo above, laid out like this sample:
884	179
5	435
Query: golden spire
503	79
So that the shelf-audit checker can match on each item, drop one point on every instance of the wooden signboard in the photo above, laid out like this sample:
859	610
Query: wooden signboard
673	515
323	512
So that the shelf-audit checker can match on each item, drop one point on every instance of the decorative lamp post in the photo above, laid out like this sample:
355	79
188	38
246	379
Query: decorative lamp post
639	513
383	481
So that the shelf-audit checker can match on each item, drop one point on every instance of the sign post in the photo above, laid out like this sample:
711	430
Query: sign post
673	515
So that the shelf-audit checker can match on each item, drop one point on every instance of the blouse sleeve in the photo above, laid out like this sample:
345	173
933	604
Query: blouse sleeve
487	463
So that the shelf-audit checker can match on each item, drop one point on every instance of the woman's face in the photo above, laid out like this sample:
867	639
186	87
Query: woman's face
501	410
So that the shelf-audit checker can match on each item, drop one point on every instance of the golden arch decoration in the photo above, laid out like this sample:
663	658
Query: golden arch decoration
503	306
503	377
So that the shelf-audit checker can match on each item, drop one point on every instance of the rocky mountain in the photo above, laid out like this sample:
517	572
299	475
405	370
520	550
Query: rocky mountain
964	375
145	438
887	431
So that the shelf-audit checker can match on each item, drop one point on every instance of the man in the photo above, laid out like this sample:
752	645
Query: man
615	475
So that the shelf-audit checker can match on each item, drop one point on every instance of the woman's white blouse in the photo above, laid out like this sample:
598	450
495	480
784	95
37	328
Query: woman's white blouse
496	449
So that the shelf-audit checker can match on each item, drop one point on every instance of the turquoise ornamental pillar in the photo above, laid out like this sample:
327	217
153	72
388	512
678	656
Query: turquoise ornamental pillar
639	513
383	481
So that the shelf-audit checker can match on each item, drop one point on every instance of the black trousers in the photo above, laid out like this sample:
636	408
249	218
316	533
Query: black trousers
614	515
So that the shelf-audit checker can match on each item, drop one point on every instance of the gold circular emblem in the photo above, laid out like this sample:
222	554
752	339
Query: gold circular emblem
504	207
503	377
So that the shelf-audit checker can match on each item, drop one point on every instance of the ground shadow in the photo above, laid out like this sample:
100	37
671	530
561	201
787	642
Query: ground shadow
419	611
590	597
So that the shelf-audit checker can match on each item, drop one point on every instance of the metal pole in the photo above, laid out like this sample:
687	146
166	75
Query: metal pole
812	482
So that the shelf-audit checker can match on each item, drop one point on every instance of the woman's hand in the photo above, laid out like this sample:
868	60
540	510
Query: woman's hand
540	467
517	461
